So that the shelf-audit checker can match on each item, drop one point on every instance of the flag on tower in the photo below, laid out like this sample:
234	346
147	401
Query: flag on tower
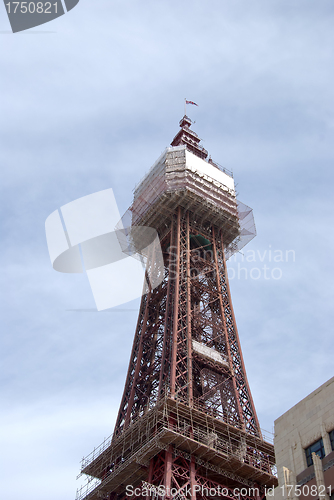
191	102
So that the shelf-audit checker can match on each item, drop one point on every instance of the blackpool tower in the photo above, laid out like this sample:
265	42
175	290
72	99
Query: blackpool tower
187	426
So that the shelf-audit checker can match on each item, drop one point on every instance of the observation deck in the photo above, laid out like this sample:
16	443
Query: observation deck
181	178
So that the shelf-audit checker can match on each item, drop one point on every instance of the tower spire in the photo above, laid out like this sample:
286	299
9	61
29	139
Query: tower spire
189	138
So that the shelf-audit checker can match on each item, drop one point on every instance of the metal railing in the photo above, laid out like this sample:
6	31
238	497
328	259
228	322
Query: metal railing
267	436
96	452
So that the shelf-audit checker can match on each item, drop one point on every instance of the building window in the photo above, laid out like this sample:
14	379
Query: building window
331	437
317	448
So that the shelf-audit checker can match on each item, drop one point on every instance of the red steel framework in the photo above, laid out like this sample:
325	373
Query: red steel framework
187	425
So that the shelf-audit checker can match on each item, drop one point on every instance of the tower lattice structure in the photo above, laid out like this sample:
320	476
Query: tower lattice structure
187	425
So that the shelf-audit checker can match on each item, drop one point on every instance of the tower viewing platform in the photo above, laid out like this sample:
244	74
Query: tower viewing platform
182	176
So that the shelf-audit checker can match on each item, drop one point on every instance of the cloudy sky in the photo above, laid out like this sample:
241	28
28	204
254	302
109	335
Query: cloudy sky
89	101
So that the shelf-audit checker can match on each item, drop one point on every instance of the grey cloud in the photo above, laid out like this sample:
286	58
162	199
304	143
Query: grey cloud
94	105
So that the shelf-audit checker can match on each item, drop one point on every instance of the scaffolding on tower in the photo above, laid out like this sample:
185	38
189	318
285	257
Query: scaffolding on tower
187	417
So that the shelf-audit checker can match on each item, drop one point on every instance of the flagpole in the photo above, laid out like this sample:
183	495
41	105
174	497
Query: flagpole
185	106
